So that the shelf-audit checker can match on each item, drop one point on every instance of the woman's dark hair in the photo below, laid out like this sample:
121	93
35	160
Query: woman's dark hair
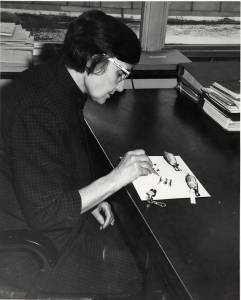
93	34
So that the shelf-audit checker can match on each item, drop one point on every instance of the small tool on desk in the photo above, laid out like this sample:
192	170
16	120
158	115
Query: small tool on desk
158	203
155	172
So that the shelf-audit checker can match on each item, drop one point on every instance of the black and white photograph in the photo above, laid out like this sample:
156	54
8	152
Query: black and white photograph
120	150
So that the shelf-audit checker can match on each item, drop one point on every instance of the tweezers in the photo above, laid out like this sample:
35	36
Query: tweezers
159	203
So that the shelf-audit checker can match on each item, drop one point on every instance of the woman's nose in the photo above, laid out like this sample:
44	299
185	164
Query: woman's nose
120	86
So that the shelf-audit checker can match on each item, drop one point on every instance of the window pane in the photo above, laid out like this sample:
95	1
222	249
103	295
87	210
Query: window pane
48	20
202	22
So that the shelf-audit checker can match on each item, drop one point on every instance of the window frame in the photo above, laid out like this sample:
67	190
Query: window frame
153	25
153	34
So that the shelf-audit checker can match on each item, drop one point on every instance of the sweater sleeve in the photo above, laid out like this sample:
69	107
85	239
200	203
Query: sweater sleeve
39	174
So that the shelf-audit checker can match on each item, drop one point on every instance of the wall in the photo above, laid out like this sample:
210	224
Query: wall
204	8
125	8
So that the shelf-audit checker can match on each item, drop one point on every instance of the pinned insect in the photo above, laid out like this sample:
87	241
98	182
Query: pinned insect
150	194
193	185
171	159
160	180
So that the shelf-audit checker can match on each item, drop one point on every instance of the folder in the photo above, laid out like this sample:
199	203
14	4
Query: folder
215	87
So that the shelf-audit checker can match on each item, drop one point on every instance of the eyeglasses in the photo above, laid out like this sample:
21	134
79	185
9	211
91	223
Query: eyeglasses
125	72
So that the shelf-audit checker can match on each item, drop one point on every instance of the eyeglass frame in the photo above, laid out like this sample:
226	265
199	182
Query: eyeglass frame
120	67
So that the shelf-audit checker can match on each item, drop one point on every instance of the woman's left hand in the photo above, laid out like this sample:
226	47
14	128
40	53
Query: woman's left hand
104	215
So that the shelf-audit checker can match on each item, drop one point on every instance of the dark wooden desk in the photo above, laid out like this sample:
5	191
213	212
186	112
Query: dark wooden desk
199	242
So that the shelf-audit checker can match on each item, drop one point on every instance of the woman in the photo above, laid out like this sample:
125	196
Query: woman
47	150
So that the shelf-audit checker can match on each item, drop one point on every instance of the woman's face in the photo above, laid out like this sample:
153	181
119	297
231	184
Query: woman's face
102	85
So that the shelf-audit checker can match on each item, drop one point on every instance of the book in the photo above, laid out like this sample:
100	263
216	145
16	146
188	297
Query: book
7	29
222	101
201	75
158	60
229	122
19	35
188	91
192	81
228	88
215	87
232	115
9	68
204	74
15	57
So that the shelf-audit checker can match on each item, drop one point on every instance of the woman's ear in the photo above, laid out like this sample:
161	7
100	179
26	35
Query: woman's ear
96	64
88	62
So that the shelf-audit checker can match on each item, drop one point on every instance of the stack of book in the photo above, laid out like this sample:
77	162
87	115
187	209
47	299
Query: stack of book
215	86
16	47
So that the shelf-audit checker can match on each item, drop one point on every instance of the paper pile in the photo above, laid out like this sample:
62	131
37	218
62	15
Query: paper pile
169	183
16	47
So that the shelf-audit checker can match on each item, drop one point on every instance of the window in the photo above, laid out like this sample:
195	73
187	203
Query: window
202	22
169	24
48	20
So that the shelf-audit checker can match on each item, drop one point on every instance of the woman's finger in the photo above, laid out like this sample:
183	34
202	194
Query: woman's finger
146	167
100	219
106	208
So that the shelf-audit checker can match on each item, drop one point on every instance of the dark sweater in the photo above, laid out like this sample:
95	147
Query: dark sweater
46	145
47	152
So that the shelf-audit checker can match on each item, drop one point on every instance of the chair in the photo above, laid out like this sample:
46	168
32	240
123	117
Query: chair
33	242
16	236
30	241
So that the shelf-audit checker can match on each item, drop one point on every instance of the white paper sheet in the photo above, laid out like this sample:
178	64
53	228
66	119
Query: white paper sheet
177	189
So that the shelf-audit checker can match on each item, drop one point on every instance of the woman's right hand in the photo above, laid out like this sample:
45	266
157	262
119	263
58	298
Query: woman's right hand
133	165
